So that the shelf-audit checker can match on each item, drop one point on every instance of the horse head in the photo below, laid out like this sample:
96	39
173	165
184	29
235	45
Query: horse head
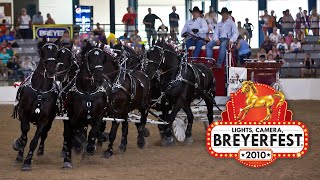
66	59
48	52
248	86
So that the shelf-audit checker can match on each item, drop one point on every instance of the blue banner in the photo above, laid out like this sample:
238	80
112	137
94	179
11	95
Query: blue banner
83	17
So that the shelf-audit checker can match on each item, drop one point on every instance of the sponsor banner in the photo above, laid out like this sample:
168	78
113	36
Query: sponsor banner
51	31
256	128
236	76
83	17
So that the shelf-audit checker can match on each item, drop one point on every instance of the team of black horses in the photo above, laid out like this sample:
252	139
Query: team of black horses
102	82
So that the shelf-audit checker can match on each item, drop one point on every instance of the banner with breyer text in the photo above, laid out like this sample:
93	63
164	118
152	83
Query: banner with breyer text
51	31
236	76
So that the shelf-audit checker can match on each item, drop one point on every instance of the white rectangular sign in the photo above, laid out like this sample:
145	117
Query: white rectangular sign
236	76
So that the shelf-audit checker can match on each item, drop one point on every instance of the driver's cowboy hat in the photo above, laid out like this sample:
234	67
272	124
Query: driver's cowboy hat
224	10
196	9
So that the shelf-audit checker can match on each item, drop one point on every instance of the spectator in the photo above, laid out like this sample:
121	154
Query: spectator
273	21
279	23
262	55
198	28
135	39
275	36
267	44
24	22
76	45
270	57
103	38
65	40
314	22
49	20
13	69
129	20
282	46
4	56
212	19
231	17
27	66
98	30
307	23
287	23
289	38
308	66
242	31
225	34
124	38
244	49
266	22
275	53
174	24
37	19
295	46
111	40
3	28
5	44
163	31
248	26
149	21
9	38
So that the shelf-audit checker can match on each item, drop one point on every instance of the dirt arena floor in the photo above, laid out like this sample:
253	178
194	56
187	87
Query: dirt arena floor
156	162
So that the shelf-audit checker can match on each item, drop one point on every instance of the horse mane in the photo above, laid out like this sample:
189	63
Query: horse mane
253	87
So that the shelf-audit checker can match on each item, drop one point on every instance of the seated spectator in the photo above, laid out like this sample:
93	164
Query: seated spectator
4	56
124	38
135	39
163	31
98	31
262	55
275	53
37	19
275	36
282	46
295	46
244	49
49	20
267	44
65	40
289	38
76	45
111	40
27	66
13	69
9	38
308	66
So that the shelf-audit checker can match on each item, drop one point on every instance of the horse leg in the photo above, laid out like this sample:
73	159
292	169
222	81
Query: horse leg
44	136
164	116
33	145
190	118
103	136
268	116
20	143
112	136
68	136
141	128
209	105
64	146
124	138
90	148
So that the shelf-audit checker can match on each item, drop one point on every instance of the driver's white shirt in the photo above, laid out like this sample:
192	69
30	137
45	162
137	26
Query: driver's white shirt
198	23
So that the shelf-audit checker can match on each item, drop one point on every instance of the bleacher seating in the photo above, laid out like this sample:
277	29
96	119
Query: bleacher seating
311	39
307	47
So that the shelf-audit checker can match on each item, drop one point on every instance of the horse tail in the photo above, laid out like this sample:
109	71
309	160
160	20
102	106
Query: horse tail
281	96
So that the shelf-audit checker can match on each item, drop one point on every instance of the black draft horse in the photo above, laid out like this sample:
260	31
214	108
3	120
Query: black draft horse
37	97
182	83
88	99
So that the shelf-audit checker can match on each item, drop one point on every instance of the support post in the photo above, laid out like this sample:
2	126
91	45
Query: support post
214	4
262	5
112	17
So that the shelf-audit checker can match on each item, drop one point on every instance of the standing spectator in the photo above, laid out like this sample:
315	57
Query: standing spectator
314	22
129	20
275	36
49	20
282	46
37	19
149	21
135	39
279	23
266	22
225	34
267	44
307	23
287	23
98	30
174	24
308	66
3	28
24	22
243	32
295	46
248	26
273	21
244	49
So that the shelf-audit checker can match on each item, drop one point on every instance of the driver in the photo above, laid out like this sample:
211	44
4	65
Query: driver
197	28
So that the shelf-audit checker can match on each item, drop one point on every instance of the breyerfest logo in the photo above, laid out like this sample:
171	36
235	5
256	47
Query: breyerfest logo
248	134
51	31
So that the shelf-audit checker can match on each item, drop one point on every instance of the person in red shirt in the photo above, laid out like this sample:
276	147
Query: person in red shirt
129	20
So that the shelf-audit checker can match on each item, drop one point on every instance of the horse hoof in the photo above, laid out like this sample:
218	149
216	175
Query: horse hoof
146	132
122	148
188	141
107	154
19	159
141	143
17	145
90	150
168	141
67	165
40	152
26	167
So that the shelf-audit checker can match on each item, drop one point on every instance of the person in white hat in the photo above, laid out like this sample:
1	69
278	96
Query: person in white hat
198	29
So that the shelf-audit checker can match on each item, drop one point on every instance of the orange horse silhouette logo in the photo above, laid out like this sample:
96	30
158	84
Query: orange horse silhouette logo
254	101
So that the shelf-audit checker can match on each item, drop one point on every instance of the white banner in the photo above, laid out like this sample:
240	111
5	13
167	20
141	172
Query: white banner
236	76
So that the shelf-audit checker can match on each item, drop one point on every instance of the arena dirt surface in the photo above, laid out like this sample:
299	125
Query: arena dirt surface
156	162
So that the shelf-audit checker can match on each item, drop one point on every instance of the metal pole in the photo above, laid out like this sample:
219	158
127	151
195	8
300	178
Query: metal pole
112	17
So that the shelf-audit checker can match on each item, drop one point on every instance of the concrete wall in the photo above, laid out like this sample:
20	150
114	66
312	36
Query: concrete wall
61	10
